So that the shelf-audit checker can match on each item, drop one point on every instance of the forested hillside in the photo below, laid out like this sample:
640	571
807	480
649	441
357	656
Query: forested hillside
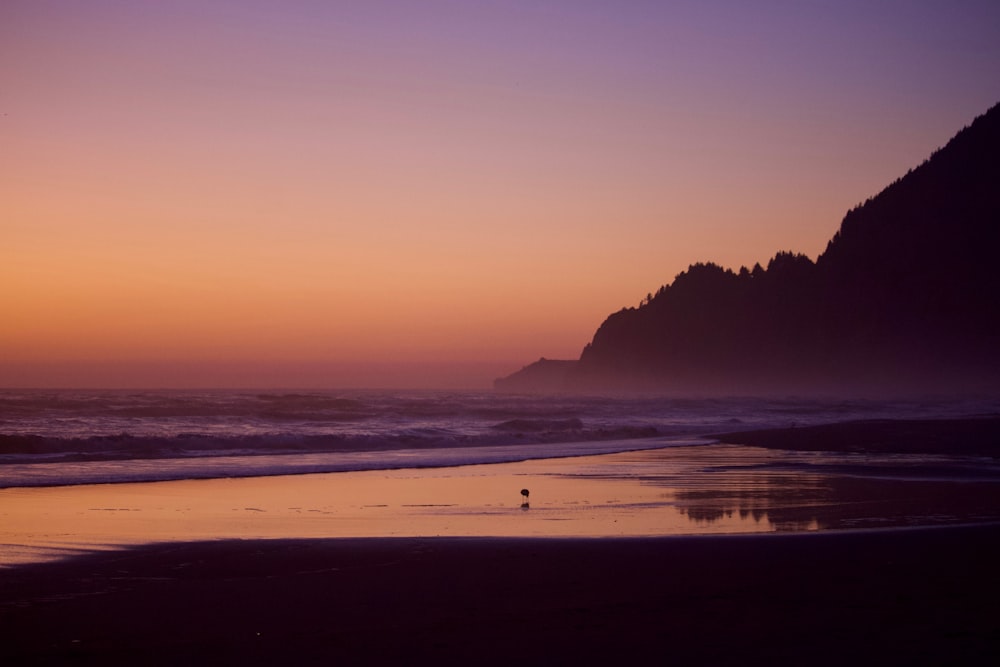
905	297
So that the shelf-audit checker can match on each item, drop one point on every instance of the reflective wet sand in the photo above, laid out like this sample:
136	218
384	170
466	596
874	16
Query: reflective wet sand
699	490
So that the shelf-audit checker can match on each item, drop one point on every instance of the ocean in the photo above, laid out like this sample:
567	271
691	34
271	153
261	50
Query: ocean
72	437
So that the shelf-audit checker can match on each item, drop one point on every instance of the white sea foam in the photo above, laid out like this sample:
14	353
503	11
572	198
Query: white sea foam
80	437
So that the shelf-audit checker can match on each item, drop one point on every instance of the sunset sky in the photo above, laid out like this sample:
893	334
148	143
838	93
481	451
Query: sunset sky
430	193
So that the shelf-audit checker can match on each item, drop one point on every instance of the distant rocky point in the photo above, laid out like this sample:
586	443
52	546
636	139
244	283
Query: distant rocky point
903	299
544	375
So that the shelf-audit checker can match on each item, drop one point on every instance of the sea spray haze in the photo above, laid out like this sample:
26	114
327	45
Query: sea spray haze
76	436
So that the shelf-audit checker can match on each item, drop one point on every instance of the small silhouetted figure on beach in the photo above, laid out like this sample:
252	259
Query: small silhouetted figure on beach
524	492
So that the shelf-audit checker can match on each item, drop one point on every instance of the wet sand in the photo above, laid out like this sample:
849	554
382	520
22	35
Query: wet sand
192	579
926	596
700	490
594	496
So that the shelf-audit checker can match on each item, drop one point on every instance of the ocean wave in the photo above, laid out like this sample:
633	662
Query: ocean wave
125	430
124	446
232	464
540	425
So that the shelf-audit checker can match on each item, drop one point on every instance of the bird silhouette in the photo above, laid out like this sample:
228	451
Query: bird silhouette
524	492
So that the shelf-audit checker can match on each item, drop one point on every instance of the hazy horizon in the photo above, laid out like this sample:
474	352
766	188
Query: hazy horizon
389	194
253	374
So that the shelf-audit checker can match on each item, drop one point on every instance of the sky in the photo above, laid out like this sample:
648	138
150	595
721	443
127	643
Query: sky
434	193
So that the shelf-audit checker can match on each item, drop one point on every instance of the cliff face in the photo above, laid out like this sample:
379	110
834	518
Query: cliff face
905	297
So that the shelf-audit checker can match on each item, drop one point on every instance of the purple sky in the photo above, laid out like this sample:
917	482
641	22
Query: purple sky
455	185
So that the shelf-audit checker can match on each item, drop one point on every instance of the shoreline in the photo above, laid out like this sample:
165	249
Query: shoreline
706	489
207	581
347	461
961	436
969	436
920	596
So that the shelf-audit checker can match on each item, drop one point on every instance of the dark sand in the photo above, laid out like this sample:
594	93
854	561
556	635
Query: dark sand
926	596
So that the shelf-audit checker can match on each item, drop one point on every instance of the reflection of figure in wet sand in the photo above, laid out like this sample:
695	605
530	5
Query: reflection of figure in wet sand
524	505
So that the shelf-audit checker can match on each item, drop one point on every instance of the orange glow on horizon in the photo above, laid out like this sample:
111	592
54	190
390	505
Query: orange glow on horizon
370	183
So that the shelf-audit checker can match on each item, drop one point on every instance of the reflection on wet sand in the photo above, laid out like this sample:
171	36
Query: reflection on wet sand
794	491
675	491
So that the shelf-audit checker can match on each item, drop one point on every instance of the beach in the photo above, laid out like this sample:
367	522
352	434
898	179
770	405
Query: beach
710	554
882	597
709	489
499	333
